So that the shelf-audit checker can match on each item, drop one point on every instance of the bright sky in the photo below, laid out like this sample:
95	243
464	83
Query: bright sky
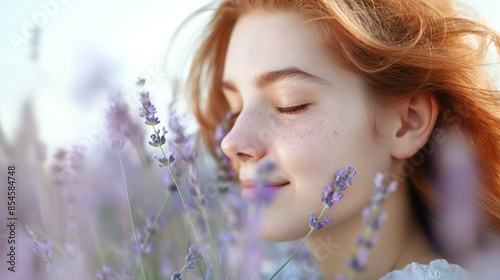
81	37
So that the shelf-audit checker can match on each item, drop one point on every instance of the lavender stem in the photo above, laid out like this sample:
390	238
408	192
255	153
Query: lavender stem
130	214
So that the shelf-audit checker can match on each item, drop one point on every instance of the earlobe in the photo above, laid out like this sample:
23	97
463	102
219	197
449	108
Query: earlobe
417	118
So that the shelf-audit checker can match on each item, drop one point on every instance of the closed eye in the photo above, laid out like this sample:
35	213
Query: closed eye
292	110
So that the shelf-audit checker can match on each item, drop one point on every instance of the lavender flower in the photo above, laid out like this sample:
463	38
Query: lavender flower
62	172
108	273
140	81
156	139
178	130
314	224
225	172
176	276
148	110
105	273
43	249
118	120
184	152
164	161
331	195
372	220
342	180
182	145
120	128
359	261
192	256
144	235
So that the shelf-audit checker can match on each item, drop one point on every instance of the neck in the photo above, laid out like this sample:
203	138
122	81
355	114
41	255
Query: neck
400	242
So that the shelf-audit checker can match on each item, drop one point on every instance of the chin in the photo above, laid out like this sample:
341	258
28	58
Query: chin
272	231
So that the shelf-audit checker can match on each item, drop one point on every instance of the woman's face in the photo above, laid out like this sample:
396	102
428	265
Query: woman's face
300	110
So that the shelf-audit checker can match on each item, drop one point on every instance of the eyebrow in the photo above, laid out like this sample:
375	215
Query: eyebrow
269	78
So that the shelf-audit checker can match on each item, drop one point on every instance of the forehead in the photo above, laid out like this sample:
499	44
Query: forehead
265	41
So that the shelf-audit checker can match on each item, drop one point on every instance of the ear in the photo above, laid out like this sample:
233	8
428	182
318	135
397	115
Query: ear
416	120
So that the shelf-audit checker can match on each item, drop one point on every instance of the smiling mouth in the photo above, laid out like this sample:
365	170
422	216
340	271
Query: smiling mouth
249	190
251	185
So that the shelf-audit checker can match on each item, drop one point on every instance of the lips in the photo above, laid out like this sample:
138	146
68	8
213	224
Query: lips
249	184
249	190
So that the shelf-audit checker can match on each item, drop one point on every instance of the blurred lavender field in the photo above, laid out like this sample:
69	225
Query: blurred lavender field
68	95
58	83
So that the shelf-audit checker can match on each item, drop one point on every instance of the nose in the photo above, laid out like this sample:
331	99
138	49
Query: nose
242	143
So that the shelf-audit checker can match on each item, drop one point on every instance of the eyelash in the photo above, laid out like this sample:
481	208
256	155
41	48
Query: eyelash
288	110
292	110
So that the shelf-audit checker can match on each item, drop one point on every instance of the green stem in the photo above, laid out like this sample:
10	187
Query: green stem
209	230
155	221
176	183
153	224
295	252
174	178
182	270
212	242
300	246
130	215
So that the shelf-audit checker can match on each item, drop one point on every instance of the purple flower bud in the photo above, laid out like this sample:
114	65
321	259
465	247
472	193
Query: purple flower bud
366	213
148	110
140	82
392	186
226	173
177	130
42	248
379	177
363	256
355	264
118	123
378	221
343	179
372	221
219	133
360	239
176	276
192	256
374	239
157	140
314	224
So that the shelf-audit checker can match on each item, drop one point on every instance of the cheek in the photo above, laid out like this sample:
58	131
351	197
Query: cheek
312	153
308	154
313	147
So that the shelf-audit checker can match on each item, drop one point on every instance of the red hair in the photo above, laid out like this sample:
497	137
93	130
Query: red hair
400	48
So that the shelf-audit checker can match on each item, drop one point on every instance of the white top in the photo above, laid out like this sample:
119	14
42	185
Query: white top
437	269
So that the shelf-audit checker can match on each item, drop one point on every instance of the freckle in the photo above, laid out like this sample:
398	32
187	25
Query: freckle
335	132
